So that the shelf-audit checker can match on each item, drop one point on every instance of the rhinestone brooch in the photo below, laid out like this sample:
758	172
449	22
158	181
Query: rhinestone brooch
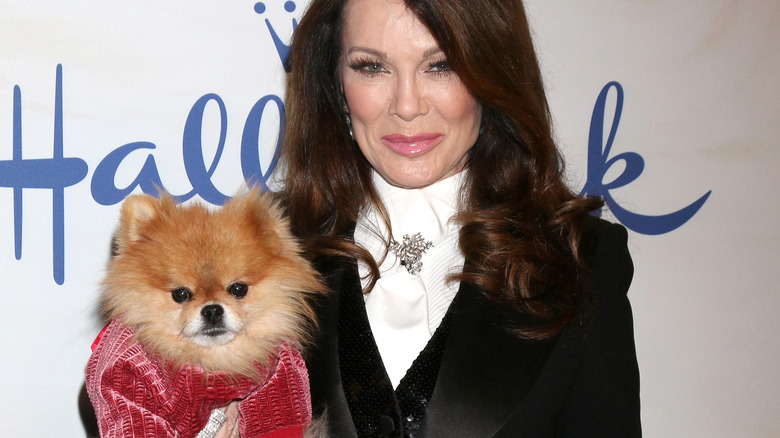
411	251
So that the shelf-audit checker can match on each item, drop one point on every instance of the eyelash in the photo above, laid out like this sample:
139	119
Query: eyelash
443	66
368	67
362	66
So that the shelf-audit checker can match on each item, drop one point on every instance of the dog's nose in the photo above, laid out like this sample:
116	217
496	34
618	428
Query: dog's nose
212	313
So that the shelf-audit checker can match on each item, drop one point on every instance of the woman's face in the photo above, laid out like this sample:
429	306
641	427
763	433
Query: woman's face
411	116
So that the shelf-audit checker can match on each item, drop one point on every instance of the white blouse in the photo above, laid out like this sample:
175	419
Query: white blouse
404	309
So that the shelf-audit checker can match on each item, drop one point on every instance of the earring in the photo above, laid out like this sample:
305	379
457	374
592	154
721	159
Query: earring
349	127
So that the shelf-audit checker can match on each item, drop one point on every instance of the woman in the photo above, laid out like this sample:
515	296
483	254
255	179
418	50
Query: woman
507	314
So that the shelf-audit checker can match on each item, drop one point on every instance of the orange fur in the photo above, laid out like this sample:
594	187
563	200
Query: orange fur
162	246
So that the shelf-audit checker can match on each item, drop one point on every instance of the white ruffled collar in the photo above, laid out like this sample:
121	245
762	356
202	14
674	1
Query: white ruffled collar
404	309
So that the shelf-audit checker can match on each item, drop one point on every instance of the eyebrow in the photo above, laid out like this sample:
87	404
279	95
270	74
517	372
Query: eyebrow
430	52
382	55
376	53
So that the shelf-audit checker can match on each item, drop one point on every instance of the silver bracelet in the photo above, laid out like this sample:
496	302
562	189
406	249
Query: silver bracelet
216	421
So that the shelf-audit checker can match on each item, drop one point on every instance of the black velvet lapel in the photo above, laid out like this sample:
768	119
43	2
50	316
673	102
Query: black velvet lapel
323	359
367	388
486	371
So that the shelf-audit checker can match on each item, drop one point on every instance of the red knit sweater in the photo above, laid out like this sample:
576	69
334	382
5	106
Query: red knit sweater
135	395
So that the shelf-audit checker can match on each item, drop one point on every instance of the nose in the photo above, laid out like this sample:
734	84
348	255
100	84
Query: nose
409	100
212	313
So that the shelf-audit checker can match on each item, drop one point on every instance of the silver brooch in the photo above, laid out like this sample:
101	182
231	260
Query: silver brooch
411	251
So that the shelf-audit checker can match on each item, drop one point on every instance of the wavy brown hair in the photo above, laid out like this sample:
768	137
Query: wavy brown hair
521	225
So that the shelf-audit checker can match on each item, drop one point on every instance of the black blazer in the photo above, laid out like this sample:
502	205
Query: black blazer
581	383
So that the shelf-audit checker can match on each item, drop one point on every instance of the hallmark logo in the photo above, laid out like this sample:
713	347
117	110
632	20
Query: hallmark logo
60	172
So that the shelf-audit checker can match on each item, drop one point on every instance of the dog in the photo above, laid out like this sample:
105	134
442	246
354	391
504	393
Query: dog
221	295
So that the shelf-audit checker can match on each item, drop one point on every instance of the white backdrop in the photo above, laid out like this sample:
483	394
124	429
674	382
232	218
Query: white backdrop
695	85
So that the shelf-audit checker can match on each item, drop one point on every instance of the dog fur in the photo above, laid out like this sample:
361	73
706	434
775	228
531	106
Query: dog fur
176	266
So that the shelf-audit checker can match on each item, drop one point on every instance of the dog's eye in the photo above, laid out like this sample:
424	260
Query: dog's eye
238	289
181	294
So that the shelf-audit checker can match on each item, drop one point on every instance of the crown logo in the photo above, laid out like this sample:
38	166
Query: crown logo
282	49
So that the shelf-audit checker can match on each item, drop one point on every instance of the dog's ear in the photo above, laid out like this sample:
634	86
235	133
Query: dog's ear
258	208
137	210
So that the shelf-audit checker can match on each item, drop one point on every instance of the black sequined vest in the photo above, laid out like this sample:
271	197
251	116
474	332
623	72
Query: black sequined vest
377	410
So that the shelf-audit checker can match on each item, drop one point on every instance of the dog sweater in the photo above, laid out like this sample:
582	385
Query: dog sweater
137	395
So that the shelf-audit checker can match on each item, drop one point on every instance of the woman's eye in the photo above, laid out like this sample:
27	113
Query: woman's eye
366	67
372	68
440	66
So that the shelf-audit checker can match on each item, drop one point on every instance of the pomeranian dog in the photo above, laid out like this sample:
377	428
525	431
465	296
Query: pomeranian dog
217	290
221	289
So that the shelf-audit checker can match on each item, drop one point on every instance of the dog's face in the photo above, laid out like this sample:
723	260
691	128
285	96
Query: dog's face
204	277
212	323
193	279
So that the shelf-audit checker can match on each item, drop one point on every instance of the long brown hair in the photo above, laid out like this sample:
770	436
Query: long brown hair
521	224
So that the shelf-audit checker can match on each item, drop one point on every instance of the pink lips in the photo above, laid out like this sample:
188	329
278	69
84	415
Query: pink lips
412	145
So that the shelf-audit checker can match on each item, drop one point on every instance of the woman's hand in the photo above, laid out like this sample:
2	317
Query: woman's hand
229	428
